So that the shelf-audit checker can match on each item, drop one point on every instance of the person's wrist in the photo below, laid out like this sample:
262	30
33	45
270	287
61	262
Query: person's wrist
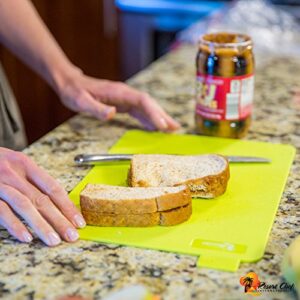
61	77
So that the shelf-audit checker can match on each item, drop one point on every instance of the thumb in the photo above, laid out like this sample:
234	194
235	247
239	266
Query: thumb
95	108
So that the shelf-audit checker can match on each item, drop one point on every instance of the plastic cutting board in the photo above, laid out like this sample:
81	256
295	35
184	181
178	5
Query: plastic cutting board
223	232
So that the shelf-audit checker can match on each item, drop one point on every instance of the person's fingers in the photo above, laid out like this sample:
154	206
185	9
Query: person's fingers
47	209
12	224
152	105
117	94
172	124
296	97
147	124
154	113
49	186
53	216
24	207
87	103
138	104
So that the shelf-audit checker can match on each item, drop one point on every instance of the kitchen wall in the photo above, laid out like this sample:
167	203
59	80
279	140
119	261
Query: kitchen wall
86	30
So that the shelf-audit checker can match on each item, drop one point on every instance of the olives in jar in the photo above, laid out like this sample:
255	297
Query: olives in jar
225	84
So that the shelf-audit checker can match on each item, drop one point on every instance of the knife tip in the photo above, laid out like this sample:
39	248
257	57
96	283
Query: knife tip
78	159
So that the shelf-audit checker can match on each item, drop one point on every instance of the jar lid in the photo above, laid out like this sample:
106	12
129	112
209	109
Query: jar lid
226	40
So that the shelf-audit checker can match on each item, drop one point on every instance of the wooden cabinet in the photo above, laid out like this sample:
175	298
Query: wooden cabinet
87	32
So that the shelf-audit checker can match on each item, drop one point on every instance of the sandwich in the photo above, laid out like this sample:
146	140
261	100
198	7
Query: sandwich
206	176
160	190
105	205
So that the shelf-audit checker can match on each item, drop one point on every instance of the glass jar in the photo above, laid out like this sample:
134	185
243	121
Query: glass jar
225	84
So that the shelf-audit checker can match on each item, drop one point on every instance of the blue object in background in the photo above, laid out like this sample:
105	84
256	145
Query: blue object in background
148	27
170	15
168	6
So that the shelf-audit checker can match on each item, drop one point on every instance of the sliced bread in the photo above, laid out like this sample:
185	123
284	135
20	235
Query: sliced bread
205	175
166	218
127	200
105	205
175	216
121	220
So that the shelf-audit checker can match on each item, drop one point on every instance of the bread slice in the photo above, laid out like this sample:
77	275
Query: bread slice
105	205
166	218
175	216
205	175
121	220
107	199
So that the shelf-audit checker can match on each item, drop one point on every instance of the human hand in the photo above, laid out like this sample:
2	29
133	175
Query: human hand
28	192
296	97
103	98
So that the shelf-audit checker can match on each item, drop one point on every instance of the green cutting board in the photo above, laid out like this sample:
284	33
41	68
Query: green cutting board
225	231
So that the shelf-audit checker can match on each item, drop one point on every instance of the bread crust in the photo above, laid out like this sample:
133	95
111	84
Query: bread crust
206	187
134	206
176	216
174	200
166	218
209	186
128	206
121	220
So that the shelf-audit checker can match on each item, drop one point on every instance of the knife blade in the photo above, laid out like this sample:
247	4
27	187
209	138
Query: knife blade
94	159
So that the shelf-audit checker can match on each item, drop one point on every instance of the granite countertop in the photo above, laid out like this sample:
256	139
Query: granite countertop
92	269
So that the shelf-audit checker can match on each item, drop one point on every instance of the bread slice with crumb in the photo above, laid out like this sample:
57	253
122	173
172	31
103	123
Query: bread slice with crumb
106	205
121	220
127	200
206	176
165	218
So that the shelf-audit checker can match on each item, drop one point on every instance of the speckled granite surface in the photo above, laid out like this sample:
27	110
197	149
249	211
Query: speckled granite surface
93	270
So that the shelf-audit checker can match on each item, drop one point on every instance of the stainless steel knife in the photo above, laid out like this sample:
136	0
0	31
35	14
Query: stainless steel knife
94	159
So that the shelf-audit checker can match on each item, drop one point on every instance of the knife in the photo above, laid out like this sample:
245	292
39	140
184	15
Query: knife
94	159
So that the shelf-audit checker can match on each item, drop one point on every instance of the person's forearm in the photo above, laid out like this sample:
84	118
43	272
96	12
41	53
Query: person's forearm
24	33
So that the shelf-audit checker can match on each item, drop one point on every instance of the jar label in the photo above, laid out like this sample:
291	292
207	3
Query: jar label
220	98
